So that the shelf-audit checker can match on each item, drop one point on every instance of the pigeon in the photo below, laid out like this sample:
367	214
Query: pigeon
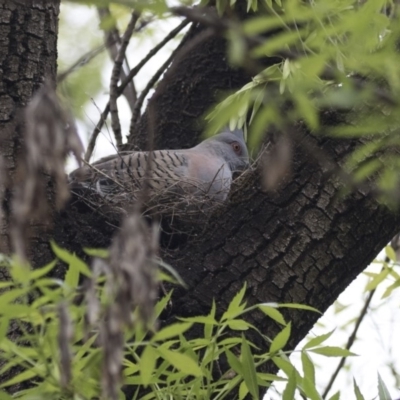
205	170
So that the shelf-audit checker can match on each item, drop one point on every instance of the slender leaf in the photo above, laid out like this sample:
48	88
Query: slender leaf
101	253
238	325
249	369
147	364
39	272
288	393
357	391
316	341
308	367
280	339
390	253
234	362
243	390
235	307
182	362
332	351
299	307
336	396
171	331
383	391
273	313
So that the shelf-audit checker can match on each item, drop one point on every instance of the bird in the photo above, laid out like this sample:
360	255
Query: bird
203	171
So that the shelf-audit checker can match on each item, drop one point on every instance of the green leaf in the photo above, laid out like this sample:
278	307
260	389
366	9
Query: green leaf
331	351
16	311
336	396
23	376
277	43
286	366
235	307
161	304
372	284
101	253
249	369
238	325
390	289
147	364
310	390
174	274
280	339
182	362
357	391
306	109
270	377
6	284
10	296
171	331
273	313
208	327
4	323
288	393
39	272
308	367
257	25
243	390
299	307
383	392
234	362
72	260
390	253
207	320
316	341
5	396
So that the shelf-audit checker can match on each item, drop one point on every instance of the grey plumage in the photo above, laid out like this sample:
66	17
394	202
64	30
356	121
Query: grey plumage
204	170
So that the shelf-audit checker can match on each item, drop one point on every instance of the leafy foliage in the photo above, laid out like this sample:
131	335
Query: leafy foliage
162	363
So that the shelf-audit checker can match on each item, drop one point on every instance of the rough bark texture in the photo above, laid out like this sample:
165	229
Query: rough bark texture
302	244
28	54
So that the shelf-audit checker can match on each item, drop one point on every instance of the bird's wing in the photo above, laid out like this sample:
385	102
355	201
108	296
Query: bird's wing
127	172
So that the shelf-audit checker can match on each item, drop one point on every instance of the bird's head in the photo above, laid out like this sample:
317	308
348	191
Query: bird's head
230	145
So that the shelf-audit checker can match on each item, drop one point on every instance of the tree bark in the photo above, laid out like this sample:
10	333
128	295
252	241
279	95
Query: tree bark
28	55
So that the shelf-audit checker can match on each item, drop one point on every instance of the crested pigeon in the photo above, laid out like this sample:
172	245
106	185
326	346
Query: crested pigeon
205	170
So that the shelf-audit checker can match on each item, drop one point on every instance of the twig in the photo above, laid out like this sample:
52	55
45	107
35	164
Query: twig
145	91
97	129
350	342
134	71
126	81
115	76
111	38
83	60
177	54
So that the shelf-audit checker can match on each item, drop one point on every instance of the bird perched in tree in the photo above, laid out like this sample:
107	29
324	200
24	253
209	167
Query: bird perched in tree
203	170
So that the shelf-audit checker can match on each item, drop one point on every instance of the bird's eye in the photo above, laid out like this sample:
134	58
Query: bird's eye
236	147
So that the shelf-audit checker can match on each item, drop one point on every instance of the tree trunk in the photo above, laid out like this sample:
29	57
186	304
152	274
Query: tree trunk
28	55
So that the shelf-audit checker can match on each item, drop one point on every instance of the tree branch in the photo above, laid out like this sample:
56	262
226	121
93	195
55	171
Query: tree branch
157	75
126	81
111	38
350	342
115	76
